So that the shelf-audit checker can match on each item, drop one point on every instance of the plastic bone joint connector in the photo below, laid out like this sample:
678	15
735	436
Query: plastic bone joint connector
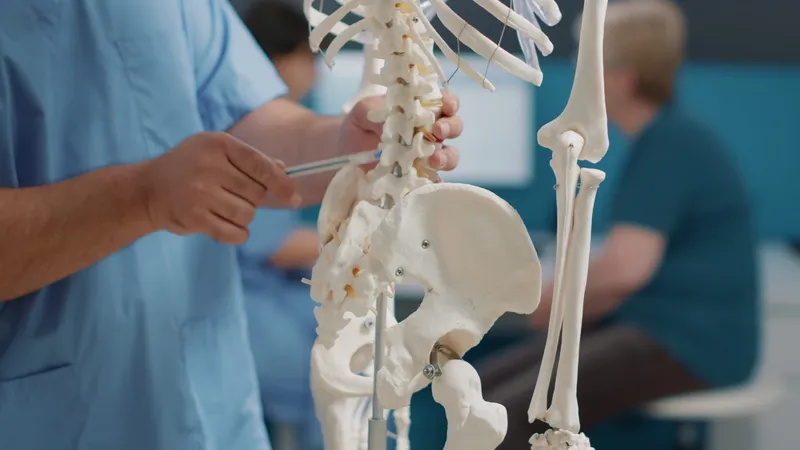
397	224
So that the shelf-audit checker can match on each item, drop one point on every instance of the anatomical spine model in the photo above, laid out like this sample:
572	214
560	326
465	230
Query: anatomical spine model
466	247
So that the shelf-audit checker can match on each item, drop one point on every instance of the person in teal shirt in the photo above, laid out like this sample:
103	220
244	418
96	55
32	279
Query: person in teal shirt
671	301
137	140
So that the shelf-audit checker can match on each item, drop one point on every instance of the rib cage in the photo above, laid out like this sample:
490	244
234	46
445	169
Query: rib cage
523	16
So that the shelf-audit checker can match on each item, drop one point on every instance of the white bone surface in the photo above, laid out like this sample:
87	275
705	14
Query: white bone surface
547	10
402	425
450	54
339	393
483	46
401	68
361	10
467	248
564	163
327	24
473	271
339	41
472	422
580	132
338	201
560	440
519	23
563	412
585	112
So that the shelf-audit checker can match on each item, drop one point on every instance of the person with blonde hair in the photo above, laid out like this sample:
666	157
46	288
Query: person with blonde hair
671	301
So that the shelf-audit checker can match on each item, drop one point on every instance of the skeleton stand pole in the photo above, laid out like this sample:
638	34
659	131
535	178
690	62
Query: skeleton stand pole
378	432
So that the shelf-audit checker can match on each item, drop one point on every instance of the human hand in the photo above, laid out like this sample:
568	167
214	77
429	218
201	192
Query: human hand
212	183
359	134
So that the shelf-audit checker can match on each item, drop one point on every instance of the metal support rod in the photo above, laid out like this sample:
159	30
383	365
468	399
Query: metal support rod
378	433
380	327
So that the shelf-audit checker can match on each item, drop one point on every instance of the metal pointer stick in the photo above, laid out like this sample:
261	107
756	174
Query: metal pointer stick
338	162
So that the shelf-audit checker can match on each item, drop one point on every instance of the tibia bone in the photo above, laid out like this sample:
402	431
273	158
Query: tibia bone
585	112
563	412
565	167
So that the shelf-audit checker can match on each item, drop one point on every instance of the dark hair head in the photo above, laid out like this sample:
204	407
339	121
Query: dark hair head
279	27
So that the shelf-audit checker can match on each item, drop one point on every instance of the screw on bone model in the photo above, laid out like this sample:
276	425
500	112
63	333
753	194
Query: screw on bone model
397	171
434	367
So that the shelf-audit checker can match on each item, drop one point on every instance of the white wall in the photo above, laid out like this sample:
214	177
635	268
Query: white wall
777	428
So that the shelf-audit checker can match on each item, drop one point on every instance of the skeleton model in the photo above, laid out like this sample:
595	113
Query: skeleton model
465	246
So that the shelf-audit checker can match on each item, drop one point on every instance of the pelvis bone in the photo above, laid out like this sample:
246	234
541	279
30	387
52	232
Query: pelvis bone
340	393
340	280
472	254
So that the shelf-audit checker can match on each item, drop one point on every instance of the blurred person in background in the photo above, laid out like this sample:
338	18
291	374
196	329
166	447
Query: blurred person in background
280	312
671	302
281	29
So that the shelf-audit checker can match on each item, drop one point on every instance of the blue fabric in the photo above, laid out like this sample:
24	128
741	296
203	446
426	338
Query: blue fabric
702	304
147	349
632	431
281	322
279	309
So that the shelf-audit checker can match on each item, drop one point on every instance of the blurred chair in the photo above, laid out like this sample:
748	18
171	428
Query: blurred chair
739	405
736	402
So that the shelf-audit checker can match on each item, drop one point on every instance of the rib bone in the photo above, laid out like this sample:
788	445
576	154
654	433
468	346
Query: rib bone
348	34
483	46
327	24
449	53
519	23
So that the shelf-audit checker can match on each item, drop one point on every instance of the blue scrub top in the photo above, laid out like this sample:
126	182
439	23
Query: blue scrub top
702	303
147	349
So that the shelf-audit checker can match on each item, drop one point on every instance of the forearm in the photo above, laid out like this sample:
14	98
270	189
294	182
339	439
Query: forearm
50	232
300	251
295	135
606	288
